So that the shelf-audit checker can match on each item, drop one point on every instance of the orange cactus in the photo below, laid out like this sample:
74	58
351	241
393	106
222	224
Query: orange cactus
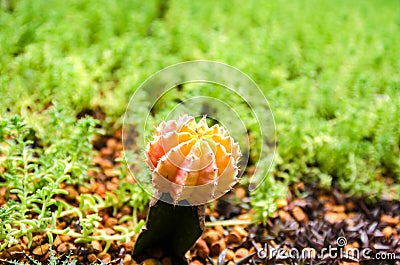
192	161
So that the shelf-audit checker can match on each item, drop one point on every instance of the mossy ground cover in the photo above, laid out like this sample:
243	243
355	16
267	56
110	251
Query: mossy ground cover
329	70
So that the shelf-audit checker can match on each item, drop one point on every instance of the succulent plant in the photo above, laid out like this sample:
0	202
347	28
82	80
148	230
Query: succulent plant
192	161
191	165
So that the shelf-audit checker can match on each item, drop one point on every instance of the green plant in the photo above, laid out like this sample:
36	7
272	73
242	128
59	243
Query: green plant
330	74
31	182
136	195
34	170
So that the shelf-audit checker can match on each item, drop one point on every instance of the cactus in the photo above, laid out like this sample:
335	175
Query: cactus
191	164
192	161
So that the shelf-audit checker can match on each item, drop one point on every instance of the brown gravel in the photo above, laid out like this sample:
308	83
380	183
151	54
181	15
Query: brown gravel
312	224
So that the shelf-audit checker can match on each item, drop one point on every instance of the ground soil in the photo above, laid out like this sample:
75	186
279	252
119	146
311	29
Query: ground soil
325	226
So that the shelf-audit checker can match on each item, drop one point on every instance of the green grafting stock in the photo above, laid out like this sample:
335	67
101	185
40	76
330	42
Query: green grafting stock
171	230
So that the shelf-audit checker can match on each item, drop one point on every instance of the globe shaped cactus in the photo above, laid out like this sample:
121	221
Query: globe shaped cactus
192	161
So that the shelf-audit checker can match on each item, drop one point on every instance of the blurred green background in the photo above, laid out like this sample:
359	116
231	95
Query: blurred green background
330	70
